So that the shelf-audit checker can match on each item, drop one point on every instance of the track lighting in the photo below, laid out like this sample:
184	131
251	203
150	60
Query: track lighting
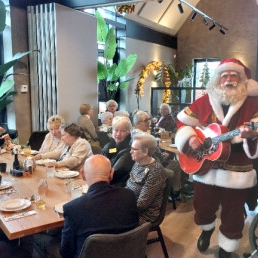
180	8
205	21
193	16
222	31
212	26
205	17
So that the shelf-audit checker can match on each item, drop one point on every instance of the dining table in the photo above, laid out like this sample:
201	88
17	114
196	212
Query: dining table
167	145
24	187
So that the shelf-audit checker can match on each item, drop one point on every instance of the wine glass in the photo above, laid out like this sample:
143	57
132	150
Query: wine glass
42	190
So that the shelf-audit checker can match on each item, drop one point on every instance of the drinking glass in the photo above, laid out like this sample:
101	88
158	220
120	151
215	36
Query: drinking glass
42	190
27	150
76	191
50	170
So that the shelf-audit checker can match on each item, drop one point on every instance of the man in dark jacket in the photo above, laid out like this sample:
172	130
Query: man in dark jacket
104	209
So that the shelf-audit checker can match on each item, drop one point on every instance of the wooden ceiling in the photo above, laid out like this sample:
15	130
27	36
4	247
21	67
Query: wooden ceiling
161	15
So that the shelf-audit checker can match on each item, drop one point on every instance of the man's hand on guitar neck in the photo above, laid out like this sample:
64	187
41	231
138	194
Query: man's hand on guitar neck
247	132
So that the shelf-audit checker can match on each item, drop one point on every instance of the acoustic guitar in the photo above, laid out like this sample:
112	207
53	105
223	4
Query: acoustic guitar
216	147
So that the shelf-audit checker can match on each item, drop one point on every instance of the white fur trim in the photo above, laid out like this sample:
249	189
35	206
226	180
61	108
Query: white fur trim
231	67
252	87
186	119
246	149
227	178
208	227
229	245
182	136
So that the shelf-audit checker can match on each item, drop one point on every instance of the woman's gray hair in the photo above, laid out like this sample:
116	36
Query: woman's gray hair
165	105
56	119
105	116
121	113
148	143
122	120
73	129
138	116
111	101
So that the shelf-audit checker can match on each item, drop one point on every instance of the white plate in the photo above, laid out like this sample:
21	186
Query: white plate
33	152
44	161
66	174
172	145
59	207
14	205
5	184
2	151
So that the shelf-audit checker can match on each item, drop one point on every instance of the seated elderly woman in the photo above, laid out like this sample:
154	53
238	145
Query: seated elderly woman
86	125
106	120
75	151
117	150
53	140
166	119
147	178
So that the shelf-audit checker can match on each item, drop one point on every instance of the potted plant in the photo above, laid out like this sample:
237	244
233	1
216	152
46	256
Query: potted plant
111	73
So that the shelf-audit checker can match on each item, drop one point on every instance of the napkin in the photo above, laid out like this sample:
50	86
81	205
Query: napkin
19	215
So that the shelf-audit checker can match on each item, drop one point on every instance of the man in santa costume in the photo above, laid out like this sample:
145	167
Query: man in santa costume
231	101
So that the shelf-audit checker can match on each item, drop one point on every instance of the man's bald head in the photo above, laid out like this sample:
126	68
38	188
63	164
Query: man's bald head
98	168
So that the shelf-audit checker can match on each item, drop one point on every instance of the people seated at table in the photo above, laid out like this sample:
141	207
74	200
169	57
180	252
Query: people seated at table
147	178
87	126
112	106
166	119
53	140
75	151
117	150
106	122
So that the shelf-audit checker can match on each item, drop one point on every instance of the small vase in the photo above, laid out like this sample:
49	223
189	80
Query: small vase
16	163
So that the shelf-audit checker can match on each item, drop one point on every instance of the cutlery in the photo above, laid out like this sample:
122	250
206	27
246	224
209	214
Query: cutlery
19	215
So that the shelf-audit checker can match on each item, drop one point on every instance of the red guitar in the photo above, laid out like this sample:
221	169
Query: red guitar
215	148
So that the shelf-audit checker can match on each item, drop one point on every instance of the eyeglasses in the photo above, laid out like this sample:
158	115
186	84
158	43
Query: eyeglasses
134	149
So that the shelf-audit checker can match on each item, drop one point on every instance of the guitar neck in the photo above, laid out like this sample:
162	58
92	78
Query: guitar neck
225	136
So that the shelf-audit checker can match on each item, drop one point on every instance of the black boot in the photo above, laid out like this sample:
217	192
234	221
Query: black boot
204	240
224	254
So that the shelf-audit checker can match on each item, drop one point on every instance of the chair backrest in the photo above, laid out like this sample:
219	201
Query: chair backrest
36	139
164	201
103	138
131	244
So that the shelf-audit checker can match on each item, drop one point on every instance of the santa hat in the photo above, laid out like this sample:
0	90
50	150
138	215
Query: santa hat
244	72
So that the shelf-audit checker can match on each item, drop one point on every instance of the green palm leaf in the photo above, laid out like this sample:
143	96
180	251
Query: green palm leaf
102	28
110	45
126	65
2	16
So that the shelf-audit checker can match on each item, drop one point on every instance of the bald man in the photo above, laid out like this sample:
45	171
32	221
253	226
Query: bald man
104	209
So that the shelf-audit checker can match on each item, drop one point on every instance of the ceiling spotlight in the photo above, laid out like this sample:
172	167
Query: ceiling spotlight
205	21
193	16
212	26
180	8
222	31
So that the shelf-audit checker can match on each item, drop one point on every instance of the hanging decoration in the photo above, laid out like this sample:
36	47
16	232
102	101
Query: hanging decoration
154	65
129	8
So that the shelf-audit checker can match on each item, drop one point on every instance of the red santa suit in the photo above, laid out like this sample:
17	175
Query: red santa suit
226	183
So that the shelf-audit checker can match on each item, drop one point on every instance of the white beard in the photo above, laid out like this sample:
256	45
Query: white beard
229	95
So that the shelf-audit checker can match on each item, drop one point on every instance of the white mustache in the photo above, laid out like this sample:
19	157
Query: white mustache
234	84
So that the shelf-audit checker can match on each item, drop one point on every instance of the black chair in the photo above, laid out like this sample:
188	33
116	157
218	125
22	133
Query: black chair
12	133
155	226
36	139
103	138
131	244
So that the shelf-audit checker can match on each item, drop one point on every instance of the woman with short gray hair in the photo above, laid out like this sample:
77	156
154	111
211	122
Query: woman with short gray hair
117	150
147	178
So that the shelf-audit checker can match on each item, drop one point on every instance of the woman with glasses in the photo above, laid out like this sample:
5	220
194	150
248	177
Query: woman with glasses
117	150
147	178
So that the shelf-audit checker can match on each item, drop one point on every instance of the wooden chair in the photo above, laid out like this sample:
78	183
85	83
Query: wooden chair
155	226
131	244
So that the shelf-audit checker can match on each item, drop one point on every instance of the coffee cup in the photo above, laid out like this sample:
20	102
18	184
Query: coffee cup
2	167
